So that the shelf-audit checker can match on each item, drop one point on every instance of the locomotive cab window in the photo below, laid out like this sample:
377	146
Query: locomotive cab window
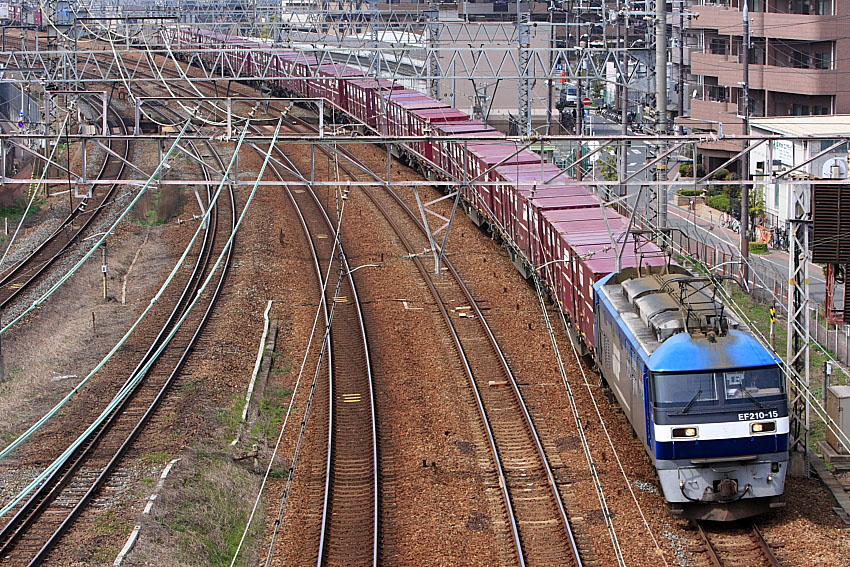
732	387
756	383
684	390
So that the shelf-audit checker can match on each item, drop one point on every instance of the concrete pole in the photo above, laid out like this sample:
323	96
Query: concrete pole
551	65
661	66
745	161
624	101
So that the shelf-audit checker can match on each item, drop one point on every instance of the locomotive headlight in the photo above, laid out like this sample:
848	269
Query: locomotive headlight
685	432
763	427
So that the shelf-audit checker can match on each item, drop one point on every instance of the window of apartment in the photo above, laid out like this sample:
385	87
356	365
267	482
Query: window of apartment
820	110
716	94
823	7
800	109
821	60
800	60
801	7
718	46
825	145
755	5
757	55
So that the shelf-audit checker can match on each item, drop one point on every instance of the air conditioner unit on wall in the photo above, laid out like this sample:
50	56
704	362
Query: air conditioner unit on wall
828	171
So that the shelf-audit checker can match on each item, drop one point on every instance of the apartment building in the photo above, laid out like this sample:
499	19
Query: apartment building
799	63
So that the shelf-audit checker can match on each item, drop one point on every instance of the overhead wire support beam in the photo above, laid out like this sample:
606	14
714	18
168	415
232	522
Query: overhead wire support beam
524	98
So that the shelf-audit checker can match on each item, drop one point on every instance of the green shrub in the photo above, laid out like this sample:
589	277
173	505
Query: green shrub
719	202
690	192
686	169
758	248
721	174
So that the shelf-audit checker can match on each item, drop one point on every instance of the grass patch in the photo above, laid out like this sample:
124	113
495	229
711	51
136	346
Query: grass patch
759	248
18	206
271	409
204	514
158	207
156	458
105	554
109	524
5	439
231	416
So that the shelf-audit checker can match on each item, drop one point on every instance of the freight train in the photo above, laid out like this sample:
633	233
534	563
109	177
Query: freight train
707	400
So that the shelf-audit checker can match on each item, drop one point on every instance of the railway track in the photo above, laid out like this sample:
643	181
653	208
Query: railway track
348	530
38	524
29	270
539	527
736	544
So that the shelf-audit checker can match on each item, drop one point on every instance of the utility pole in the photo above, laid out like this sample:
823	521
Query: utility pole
624	98
433	39
551	66
681	64
661	66
745	158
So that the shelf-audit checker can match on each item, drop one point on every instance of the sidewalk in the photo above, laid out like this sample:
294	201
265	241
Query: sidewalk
707	221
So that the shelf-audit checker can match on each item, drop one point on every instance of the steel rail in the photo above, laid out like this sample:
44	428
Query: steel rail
53	485
755	536
497	349
102	477
190	290
329	488
76	212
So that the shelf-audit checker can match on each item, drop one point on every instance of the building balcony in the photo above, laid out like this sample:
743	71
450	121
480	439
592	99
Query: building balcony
730	73
706	114
728	21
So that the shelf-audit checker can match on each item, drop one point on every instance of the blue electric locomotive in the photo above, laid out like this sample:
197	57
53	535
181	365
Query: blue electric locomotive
706	399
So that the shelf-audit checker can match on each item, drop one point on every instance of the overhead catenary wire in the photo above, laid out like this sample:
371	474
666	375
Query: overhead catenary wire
102	239
326	335
35	190
130	386
812	399
52	412
597	483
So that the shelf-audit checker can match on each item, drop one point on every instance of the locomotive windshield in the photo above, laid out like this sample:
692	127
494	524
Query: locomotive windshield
744	387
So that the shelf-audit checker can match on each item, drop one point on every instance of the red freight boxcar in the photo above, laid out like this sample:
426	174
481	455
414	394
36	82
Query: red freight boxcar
568	274
399	109
453	156
329	87
456	129
422	123
484	158
364	98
